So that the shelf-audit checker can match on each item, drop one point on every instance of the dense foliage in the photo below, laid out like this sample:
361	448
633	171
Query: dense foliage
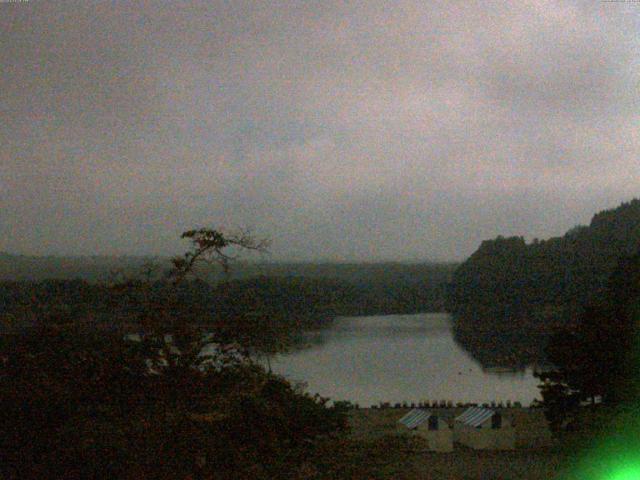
559	273
293	302
508	287
76	404
381	287
598	358
173	401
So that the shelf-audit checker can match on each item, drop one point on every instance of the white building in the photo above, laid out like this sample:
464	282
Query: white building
484	429
431	427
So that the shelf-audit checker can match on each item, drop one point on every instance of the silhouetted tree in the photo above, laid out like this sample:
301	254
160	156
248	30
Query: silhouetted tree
597	359
181	399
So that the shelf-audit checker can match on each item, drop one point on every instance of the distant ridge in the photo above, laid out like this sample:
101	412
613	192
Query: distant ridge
97	268
90	268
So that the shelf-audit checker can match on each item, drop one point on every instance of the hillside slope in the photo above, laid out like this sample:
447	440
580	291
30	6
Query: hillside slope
510	289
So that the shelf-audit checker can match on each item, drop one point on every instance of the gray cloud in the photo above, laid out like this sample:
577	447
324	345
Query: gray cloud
341	130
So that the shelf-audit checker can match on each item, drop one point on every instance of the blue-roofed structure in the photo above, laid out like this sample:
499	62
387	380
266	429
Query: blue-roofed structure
484	429
433	428
414	418
475	416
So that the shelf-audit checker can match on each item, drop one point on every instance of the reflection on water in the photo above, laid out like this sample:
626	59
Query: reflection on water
399	358
497	346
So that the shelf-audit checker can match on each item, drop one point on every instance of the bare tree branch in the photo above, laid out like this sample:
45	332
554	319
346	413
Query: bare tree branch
209	245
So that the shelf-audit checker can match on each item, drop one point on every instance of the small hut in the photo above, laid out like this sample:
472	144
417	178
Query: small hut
432	428
484	429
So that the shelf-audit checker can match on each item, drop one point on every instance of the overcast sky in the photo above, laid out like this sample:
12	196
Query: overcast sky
340	130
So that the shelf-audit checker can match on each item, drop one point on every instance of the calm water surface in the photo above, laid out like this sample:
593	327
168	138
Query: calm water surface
398	358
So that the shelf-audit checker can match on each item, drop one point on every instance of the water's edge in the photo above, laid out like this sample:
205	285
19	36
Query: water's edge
400	358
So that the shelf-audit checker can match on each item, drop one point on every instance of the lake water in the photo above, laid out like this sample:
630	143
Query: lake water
395	358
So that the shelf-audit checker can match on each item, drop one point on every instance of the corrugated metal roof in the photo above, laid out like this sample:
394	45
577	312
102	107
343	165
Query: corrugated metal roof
415	417
475	416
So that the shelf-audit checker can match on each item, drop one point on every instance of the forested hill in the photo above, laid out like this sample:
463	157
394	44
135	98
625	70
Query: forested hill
309	293
544	282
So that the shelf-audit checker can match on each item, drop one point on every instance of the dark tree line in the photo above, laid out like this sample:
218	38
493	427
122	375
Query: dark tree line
293	303
175	401
545	281
512	288
597	360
